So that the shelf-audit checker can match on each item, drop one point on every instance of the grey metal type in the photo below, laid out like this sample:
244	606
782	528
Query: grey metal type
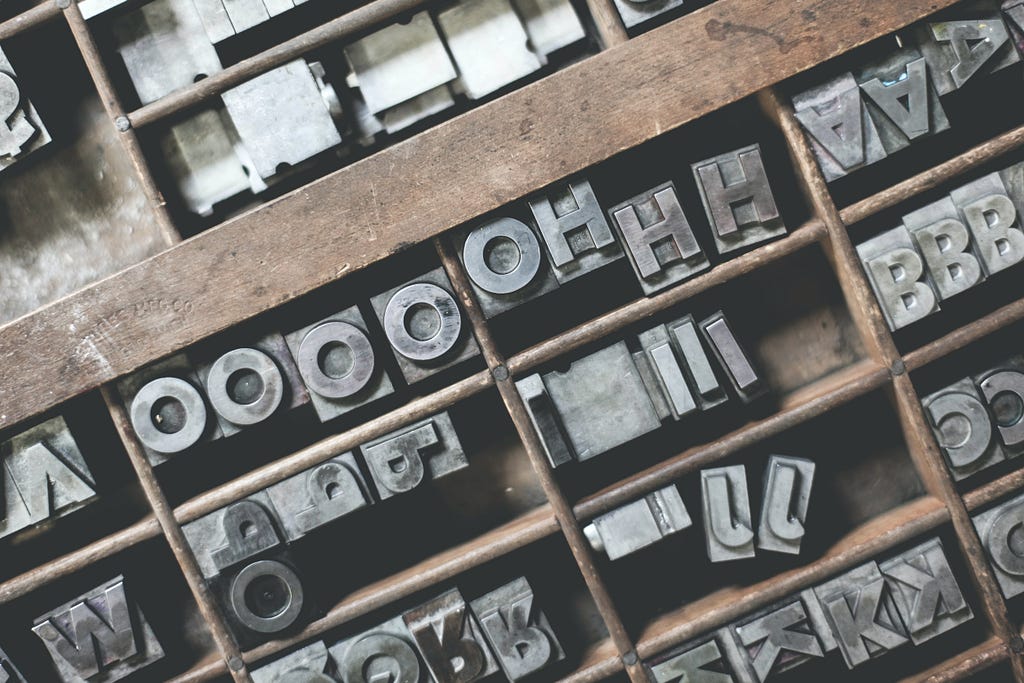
45	476
101	635
545	419
639	524
338	364
21	129
488	43
963	428
699	662
385	652
599	402
244	386
164	47
738	199
233	534
862	614
663	374
9	672
839	126
776	639
166	408
574	229
266	596
659	240
725	502
404	64
787	494
306	665
696	365
550	24
424	325
518	631
818	620
202	154
225	18
402	460
636	12
991	207
283	116
944	242
897	274
446	632
319	495
925	591
999	529
903	104
739	367
973	43
505	263
1003	389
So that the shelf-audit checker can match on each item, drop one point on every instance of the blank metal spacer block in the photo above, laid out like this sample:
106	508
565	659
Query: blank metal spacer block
726	505
925	591
777	639
550	24
787	494
963	428
897	275
447	635
386	652
662	373
991	208
505	262
696	365
102	635
636	12
44	475
639	524
402	460
659	240
839	126
319	495
901	99
518	631
338	364
21	129
545	419
944	242
1003	390
738	199
307	665
862	614
424	326
999	529
739	368
573	227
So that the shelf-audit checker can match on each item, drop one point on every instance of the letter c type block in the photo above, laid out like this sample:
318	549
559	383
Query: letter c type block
963	427
1000	531
897	275
726	505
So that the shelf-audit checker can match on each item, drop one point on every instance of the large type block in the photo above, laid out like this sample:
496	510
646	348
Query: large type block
338	364
897	274
402	460
700	374
102	635
738	199
787	495
21	129
903	104
999	529
963	427
658	238
45	476
925	591
574	229
320	495
779	638
307	665
385	652
1003	390
446	632
725	500
425	326
639	524
505	262
839	126
284	116
637	12
739	368
991	207
519	633
9	673
596	404
944	242
862	614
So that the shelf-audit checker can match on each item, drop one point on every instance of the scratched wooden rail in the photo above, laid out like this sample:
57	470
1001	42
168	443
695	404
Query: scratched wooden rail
335	226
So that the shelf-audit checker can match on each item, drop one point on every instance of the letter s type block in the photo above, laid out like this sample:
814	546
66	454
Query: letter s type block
897	274
447	633
44	476
999	529
518	631
101	633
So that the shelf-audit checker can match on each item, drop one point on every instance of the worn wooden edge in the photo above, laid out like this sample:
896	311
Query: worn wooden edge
964	664
31	18
599	661
965	335
723	606
494	154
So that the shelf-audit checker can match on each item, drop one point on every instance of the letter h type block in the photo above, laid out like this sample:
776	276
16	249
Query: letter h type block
897	274
100	633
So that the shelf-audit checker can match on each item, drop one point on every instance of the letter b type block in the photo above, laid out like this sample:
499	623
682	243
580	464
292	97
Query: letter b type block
897	275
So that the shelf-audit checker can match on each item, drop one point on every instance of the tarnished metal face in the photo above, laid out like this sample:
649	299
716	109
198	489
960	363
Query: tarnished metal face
727	527
266	596
897	274
449	637
245	386
168	415
639	524
787	495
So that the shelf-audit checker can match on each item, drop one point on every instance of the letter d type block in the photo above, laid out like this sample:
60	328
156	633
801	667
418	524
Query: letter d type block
897	275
